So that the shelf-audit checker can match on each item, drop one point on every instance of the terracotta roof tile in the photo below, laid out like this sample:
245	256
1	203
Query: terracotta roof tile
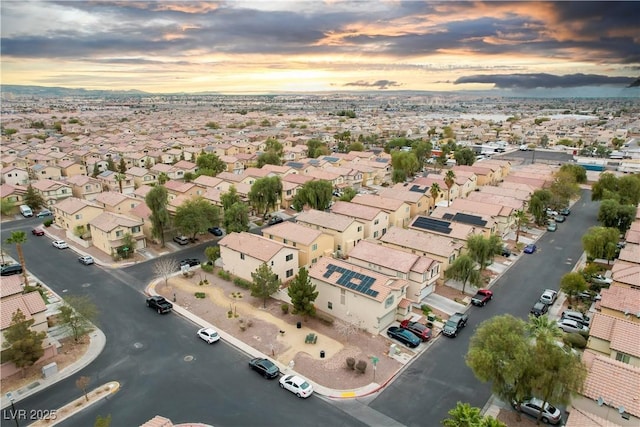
255	246
293	232
615	382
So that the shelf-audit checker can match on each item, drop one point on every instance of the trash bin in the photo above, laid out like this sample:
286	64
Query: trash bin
321	354
299	325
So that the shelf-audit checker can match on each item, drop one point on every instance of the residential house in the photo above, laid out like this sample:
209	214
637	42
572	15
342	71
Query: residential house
357	295
490	175
183	189
84	187
504	216
12	194
418	198
113	181
346	232
142	176
40	171
420	272
108	232
13	175
243	253
72	168
616	338
399	211
621	302
52	191
454	230
73	215
110	201
311	244
424	184
626	274
485	224
375	220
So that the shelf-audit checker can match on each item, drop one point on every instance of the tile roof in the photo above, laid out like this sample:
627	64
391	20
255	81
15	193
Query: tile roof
623	335
384	203
354	210
327	220
108	221
10	285
71	205
390	258
581	418
293	232
255	246
110	198
615	382
30	304
621	298
422	242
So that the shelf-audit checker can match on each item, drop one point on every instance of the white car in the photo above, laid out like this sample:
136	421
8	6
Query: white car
549	296
208	335
570	326
60	244
599	279
86	260
296	385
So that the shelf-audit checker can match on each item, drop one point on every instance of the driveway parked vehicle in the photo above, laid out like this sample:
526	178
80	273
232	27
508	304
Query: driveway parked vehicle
571	326
44	213
530	248
296	385
599	279
208	335
86	260
577	316
216	231
539	309
37	231
533	407
181	240
418	329
275	220
60	244
264	367
403	335
552	226
565	212
506	252
559	218
11	269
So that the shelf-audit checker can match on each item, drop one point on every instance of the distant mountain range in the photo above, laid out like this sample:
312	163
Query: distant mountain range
631	91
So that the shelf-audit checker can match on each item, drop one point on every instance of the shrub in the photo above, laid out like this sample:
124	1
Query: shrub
200	294
242	283
224	275
575	340
229	314
207	268
351	363
47	223
425	309
361	366
285	308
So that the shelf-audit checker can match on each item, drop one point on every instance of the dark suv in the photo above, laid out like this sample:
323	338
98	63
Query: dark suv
539	309
9	270
456	322
418	329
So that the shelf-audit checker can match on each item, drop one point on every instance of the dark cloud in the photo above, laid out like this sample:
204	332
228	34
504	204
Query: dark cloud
380	84
542	80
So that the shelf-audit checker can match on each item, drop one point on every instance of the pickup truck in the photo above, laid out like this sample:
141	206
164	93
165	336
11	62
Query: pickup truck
160	304
482	297
456	322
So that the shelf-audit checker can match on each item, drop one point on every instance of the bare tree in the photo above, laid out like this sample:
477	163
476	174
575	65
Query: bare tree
165	267
348	328
82	383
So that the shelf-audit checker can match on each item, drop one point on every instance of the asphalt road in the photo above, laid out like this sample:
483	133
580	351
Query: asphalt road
163	368
439	378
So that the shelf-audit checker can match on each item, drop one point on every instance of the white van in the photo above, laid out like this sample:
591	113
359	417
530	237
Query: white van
26	211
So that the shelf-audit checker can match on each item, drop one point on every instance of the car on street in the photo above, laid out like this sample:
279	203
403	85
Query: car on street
572	326
191	262
208	335
559	218
530	248
159	304
11	269
549	296
403	335
181	240
275	220
86	260
264	367
296	385
44	213
37	231
583	319
60	244
418	329
216	231
599	279
524	147
539	309
565	212
552	226
482	297
533	407
456	322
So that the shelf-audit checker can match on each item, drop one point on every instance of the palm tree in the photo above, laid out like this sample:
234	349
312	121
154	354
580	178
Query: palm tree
521	218
449	180
18	238
119	178
435	192
543	328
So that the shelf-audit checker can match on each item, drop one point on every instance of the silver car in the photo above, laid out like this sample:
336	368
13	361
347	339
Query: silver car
570	326
577	316
533	407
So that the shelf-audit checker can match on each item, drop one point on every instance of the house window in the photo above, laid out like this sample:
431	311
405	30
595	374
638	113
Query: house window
271	263
289	258
314	247
285	241
79	216
339	247
343	296
241	256
360	228
330	305
621	357
313	261
135	229
119	233
388	302
289	273
375	234
376	222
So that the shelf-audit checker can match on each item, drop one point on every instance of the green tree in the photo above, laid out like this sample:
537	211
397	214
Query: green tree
156	201
405	161
463	415
579	172
23	345
605	188
422	151
572	284
122	166
316	194
435	191
302	293
268	158
273	145
483	249
96	170
355	146
111	164
212	253
629	189
465	156
599	241
189	176
236	218
563	188
265	283
162	178
449	180
18	238
78	314
33	199
521	218
398	175
464	269
230	198
538	203
265	194
209	164
348	194
148	164
316	148
195	215
120	178
7	207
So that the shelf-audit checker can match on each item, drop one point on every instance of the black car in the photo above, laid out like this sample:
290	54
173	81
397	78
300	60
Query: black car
506	252
539	309
216	231
275	220
456	322
8	270
191	262
264	367
403	335
565	212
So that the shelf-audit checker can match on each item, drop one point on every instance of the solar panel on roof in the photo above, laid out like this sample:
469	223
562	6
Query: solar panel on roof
470	219
327	273
432	224
448	216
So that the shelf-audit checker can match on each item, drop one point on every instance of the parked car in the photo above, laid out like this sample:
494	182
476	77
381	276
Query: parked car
11	269
571	326
530	248
216	231
549	296
296	385
86	260
418	329
589	296
44	213
191	262
506	252
577	316
539	309
181	240
456	322
533	407
60	244
559	218
565	212
37	231
551	212
264	367
552	226
159	304
599	279
403	335
524	147
482	297
208	335
275	220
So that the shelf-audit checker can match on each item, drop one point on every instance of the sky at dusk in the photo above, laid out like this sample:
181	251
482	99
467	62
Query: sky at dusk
265	46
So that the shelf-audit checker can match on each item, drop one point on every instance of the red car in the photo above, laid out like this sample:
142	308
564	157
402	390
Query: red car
37	231
482	297
417	329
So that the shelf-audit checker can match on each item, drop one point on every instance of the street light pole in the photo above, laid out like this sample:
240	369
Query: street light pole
13	412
